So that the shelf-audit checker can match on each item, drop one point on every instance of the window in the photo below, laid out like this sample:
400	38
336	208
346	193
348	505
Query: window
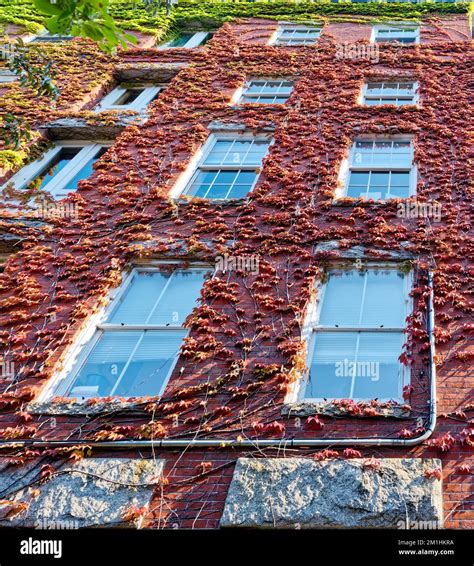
267	92
7	76
381	169
51	38
189	40
357	336
134	347
129	98
229	167
398	93
61	168
297	35
402	34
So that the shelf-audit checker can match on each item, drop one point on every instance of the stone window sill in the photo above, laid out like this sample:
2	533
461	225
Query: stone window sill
357	410
85	408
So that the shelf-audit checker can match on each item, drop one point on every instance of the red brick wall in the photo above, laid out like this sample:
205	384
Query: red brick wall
68	269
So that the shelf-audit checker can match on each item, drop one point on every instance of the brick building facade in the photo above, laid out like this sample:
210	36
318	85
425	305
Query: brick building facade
307	177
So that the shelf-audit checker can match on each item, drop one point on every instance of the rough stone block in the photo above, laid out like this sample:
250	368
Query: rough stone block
88	493
292	492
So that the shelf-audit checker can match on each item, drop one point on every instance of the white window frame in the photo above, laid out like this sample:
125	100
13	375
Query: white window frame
200	156
30	172
80	350
399	25
347	165
194	41
297	391
241	93
412	97
139	104
276	39
7	76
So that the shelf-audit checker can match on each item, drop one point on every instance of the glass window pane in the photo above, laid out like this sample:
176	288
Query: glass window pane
342	299
218	152
179	298
378	371
150	363
139	298
84	173
384	303
63	158
129	96
98	375
181	40
379	179
331	354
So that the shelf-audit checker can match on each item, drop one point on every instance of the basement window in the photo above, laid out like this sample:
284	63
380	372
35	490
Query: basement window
379	169
356	334
401	34
266	91
397	93
227	167
61	168
297	35
133	347
126	97
188	40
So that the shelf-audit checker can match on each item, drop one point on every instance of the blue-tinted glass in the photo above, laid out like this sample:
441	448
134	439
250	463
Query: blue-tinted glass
180	40
61	160
150	363
84	173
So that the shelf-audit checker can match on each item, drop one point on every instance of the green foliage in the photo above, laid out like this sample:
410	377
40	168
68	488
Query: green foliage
14	131
104	20
34	70
10	158
85	18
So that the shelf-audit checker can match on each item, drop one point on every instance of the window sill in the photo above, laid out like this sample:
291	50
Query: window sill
87	408
346	408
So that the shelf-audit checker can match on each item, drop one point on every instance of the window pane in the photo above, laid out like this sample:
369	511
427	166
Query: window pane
384	303
151	363
84	173
327	376
342	299
181	40
179	298
60	161
223	182
129	96
373	298
141	360
159	298
104	364
139	298
378	371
